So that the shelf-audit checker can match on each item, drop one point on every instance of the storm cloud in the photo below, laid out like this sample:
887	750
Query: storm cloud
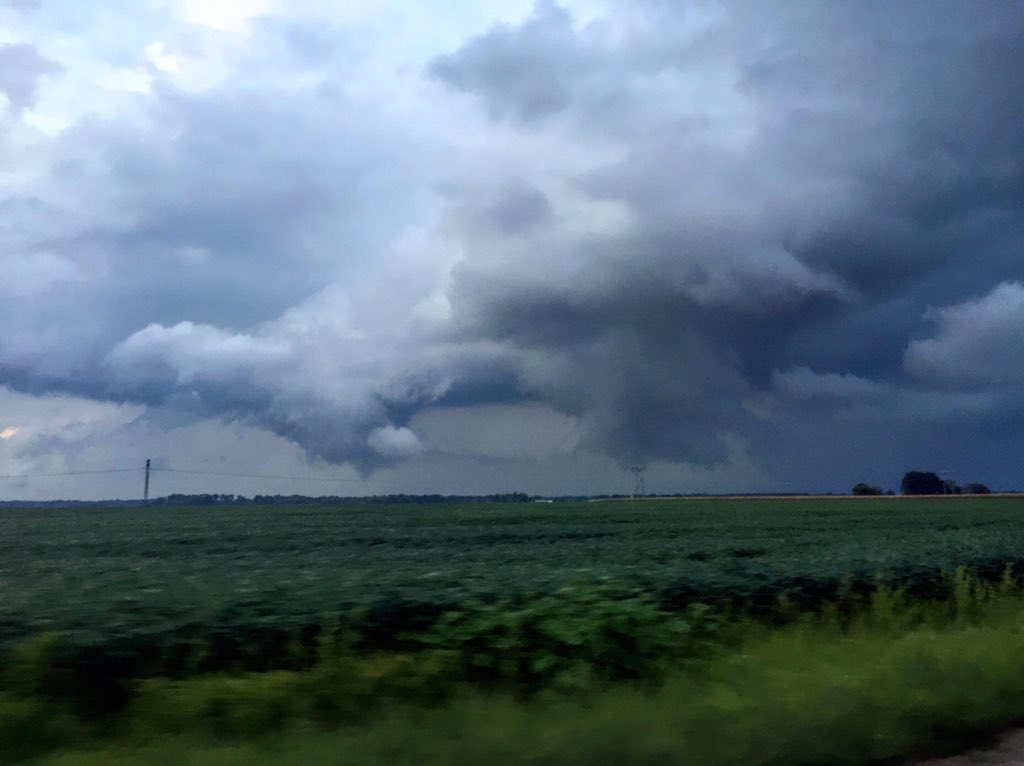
818	183
755	248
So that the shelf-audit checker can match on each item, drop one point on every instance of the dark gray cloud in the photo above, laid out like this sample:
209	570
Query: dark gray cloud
860	169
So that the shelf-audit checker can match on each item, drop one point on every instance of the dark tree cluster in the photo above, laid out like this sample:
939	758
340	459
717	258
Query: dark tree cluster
928	483
863	489
924	483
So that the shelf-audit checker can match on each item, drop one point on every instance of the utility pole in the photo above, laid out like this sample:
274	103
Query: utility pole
145	491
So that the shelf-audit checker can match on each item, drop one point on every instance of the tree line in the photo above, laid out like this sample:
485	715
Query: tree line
925	483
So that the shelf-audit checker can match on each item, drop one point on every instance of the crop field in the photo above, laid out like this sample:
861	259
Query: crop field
130	628
104	574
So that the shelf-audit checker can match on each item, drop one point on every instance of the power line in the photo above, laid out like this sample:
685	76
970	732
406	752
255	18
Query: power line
65	473
252	475
189	471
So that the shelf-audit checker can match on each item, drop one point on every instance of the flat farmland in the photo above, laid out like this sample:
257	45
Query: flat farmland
102	573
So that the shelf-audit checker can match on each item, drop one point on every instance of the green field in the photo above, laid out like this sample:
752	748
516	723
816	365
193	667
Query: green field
121	625
112	572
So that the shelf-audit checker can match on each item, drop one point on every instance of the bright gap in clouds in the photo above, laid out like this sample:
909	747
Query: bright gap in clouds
9	433
225	15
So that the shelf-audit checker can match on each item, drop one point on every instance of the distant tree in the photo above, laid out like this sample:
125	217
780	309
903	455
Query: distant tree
978	489
921	483
861	489
950	487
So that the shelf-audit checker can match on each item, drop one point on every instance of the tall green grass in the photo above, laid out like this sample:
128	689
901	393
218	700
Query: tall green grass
589	677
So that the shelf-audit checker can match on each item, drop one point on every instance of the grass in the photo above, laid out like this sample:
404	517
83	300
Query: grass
859	683
795	697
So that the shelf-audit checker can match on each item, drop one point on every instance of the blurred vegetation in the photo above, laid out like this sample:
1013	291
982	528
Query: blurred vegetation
593	673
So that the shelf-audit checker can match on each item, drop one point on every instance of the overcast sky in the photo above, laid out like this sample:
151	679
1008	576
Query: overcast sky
494	246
